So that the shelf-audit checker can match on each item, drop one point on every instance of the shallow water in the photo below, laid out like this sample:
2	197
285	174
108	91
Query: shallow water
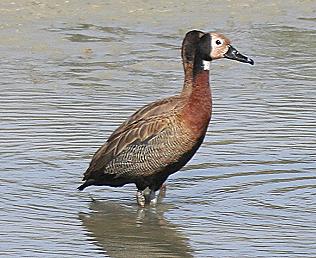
71	72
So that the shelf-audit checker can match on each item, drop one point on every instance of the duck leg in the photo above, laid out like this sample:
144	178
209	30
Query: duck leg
140	197
152	198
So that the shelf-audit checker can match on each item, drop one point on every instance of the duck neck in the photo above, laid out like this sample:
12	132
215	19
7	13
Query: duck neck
199	105
196	75
200	78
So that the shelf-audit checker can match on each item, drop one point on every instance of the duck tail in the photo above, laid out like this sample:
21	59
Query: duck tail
85	184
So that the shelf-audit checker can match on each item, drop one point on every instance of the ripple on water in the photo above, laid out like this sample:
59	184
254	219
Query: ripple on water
249	192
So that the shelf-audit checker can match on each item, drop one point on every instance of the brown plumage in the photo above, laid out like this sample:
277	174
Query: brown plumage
162	137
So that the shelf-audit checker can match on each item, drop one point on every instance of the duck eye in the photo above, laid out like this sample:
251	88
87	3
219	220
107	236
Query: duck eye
218	42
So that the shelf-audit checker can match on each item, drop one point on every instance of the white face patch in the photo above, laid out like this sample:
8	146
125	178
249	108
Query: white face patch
206	65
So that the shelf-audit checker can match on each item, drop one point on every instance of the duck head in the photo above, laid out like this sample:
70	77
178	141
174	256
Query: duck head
214	46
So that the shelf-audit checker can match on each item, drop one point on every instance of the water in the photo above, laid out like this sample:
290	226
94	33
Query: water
71	72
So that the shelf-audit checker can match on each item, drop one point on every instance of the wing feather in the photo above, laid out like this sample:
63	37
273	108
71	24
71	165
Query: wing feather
138	131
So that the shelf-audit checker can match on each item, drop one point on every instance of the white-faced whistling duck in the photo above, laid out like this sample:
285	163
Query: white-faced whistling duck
160	138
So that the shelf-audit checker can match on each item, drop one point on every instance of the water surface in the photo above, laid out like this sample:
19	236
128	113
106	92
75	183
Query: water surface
71	72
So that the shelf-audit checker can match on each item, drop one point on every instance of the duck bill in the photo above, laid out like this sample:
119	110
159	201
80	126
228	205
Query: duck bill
233	54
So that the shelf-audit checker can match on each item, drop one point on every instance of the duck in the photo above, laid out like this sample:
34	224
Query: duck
161	137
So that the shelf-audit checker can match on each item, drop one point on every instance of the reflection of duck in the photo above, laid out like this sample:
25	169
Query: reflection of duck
124	232
162	137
